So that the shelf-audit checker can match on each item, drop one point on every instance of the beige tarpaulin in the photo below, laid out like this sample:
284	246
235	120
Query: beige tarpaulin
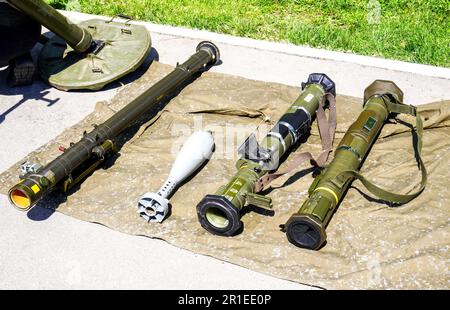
369	244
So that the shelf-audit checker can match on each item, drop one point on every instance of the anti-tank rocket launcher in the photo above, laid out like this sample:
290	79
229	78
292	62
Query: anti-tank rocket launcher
382	100
220	213
83	157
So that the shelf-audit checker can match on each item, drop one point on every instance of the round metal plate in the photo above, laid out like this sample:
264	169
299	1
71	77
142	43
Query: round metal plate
126	47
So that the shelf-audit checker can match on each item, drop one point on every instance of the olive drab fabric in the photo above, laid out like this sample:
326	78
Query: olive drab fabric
369	244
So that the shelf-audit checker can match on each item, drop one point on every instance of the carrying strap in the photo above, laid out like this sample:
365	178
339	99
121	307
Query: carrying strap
382	193
327	129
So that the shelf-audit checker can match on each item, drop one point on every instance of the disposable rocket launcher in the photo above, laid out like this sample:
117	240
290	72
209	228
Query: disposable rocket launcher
81	158
382	99
198	148
88	55
220	213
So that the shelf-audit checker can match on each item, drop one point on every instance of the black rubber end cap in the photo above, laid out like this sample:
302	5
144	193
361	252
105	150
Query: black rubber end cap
212	48
305	233
322	79
226	208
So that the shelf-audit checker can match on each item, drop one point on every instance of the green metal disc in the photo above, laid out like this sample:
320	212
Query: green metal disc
125	49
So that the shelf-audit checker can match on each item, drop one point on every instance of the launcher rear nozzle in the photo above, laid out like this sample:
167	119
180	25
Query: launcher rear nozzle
383	87
212	49
153	207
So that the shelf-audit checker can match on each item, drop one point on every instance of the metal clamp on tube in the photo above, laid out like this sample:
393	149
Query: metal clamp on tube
220	213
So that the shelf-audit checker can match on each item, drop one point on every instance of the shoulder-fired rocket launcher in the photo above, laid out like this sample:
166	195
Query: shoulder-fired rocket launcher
83	157
220	213
306	228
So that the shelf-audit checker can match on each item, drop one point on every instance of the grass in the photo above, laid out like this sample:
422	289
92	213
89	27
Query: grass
409	30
